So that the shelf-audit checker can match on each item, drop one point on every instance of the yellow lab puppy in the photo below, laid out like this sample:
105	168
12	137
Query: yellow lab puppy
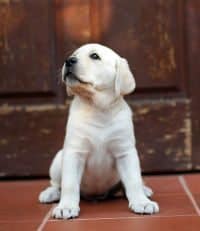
99	148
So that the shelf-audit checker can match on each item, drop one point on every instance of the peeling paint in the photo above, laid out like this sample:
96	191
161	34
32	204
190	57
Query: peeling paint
168	137
188	137
197	167
32	124
143	110
162	119
8	156
45	107
4	1
189	166
178	155
150	151
171	54
22	138
45	131
6	109
168	151
2	174
3	141
162	58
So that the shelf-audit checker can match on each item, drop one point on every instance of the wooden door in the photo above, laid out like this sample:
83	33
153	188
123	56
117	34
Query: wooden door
159	38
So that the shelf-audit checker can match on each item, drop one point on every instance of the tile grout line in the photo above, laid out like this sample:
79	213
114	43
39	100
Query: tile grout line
124	218
189	194
45	219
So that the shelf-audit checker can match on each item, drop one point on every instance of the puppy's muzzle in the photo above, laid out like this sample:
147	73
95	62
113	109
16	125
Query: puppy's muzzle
69	71
71	61
69	67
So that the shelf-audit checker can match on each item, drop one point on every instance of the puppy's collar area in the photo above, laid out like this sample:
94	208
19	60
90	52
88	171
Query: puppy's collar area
111	108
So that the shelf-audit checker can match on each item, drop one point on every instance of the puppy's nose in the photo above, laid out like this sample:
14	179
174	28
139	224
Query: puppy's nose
71	61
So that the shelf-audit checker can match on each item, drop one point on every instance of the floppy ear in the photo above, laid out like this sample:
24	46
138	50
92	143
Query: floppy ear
124	81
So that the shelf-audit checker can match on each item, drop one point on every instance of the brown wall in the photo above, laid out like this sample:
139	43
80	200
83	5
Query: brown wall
159	38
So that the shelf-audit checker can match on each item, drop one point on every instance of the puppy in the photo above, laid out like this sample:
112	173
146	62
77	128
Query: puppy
99	148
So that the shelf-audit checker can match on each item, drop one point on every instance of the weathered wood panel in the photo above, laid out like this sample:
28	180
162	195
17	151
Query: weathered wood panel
30	137
73	26
193	58
149	34
35	38
27	47
163	132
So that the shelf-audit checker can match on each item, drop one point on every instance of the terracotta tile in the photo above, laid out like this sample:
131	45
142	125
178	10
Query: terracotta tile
20	206
193	182
197	199
174	204
190	223
164	184
18	226
170	204
112	208
19	201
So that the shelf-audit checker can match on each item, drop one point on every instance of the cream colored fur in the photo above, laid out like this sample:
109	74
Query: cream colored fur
99	148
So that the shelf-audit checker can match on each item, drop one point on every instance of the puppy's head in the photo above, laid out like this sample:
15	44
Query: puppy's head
97	74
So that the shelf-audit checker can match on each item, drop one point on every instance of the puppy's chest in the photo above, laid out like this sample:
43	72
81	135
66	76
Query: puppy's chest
99	159
100	172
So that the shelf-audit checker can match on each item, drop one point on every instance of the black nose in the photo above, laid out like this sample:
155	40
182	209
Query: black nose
71	61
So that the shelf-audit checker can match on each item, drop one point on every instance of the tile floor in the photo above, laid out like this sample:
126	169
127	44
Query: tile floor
178	197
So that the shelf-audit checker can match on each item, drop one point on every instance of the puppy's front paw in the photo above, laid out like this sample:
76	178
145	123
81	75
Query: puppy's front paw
147	191
62	212
144	206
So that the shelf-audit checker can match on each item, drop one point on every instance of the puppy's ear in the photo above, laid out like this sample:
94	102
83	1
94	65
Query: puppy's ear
124	82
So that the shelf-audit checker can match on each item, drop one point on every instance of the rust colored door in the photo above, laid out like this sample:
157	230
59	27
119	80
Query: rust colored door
161	42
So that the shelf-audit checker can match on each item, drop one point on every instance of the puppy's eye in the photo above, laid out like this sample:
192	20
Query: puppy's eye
94	56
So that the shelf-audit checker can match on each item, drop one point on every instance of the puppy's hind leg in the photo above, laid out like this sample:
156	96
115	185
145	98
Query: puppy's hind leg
52	193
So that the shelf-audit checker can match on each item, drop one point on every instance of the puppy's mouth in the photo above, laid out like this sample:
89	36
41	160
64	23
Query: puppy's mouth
71	78
77	86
